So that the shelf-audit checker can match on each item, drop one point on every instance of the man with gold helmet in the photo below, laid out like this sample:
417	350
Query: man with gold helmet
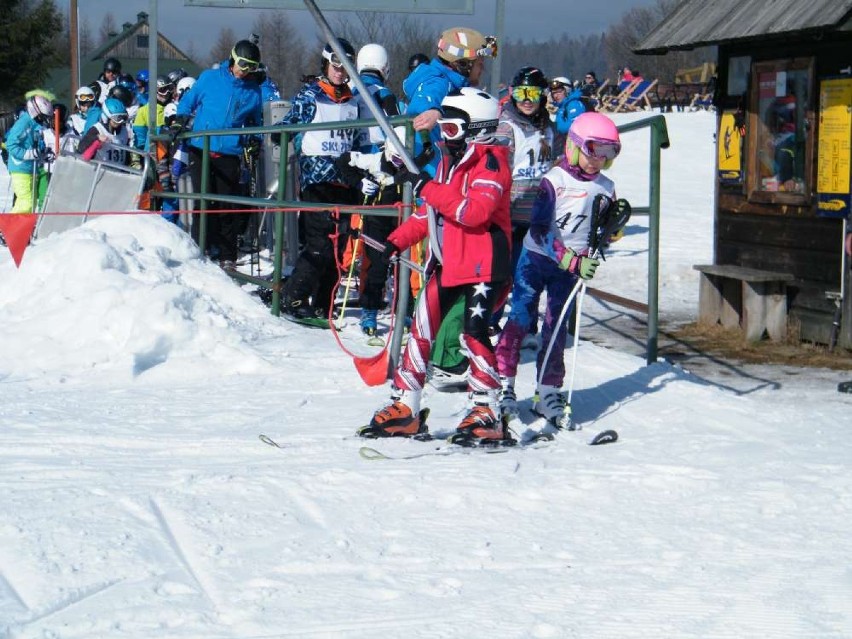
459	63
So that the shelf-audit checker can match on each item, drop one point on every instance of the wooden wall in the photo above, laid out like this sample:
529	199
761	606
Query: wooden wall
786	238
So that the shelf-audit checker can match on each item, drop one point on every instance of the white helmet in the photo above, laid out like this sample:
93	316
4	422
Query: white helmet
84	97
40	109
391	154
373	57
184	85
469	113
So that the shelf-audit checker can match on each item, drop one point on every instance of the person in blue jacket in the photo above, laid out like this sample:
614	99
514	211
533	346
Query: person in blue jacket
459	63
566	103
27	151
223	98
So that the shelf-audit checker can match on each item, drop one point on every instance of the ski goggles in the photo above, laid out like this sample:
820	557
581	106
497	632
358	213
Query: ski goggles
334	59
522	93
118	118
452	128
600	149
244	64
85	100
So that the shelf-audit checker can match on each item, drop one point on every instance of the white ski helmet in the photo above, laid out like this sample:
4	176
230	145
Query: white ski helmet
391	154
373	57
84	97
184	85
169	113
469	113
40	109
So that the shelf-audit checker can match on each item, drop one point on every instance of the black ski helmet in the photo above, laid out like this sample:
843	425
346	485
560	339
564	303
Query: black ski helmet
122	93
416	60
328	54
176	74
247	50
96	87
529	77
112	64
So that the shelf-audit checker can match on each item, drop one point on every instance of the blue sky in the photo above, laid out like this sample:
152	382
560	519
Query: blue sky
533	19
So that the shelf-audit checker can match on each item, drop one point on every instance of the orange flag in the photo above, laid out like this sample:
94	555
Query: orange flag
17	228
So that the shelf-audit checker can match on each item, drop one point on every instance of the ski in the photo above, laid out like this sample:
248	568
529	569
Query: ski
310	322
550	430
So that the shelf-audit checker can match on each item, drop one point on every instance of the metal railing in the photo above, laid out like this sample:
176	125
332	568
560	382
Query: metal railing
659	140
280	202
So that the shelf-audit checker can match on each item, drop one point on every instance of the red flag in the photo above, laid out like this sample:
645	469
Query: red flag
373	370
17	228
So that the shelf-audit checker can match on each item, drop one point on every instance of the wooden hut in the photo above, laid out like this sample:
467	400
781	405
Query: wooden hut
784	104
130	47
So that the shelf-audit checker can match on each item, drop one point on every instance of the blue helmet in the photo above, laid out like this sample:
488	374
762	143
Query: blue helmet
142	77
114	110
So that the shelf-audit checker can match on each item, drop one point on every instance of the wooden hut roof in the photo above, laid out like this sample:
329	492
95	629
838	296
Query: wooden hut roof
696	23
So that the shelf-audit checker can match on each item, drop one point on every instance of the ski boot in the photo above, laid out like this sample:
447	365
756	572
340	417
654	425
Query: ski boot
449	379
508	399
369	323
299	309
481	426
550	403
398	419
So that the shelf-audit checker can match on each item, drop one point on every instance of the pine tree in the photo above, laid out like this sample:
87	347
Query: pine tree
27	31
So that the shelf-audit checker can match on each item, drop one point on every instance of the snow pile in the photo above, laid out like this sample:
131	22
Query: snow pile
125	296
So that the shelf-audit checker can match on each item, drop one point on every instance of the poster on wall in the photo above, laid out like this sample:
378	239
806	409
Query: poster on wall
730	148
833	147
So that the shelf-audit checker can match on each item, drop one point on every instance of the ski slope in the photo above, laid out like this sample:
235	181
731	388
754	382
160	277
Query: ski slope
137	500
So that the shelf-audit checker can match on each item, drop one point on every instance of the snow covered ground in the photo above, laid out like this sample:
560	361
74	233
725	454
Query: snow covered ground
136	499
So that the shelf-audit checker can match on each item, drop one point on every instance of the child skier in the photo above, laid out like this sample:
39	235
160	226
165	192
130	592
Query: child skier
113	129
28	154
555	253
470	196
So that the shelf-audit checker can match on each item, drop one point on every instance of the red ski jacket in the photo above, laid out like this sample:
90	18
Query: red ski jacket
471	200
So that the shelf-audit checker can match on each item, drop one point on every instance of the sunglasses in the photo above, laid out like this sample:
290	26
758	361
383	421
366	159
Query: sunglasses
601	149
452	128
533	94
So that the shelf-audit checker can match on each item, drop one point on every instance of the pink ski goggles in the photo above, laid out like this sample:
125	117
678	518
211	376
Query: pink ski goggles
600	149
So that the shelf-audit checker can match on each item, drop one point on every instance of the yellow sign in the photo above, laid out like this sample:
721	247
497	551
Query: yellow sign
730	150
833	146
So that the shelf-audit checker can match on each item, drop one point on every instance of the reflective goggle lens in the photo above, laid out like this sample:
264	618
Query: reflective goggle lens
602	150
533	94
86	99
451	129
244	64
119	118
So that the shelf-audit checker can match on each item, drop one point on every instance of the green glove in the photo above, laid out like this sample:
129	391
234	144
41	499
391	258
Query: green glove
580	265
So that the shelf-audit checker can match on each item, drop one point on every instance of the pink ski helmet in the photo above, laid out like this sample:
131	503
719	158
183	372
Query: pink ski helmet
593	134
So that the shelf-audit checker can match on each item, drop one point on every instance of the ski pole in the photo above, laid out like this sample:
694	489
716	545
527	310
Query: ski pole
558	326
373	243
580	297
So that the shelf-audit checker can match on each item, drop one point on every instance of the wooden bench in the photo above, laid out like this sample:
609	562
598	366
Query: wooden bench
746	297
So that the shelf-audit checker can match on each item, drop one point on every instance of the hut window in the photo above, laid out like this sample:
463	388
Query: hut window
781	139
142	42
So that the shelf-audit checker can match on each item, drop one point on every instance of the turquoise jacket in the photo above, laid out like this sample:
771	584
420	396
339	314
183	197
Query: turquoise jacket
23	142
